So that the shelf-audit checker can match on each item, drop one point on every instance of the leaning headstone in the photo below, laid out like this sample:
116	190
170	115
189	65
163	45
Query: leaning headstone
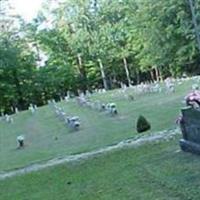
20	141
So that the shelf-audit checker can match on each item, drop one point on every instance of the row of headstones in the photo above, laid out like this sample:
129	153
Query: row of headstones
141	88
148	88
169	85
156	87
9	119
73	122
180	81
128	93
109	108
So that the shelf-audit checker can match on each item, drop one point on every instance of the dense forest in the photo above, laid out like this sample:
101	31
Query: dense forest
79	45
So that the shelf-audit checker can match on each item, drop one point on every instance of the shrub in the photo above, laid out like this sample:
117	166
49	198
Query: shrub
142	124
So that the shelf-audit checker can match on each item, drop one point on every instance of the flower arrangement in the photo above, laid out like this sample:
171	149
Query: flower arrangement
193	100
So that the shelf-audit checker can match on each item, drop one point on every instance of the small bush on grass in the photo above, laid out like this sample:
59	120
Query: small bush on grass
142	124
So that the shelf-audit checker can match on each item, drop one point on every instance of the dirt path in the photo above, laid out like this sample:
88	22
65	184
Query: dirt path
163	135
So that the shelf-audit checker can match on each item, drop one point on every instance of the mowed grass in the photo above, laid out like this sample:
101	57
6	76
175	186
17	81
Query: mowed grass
158	171
97	129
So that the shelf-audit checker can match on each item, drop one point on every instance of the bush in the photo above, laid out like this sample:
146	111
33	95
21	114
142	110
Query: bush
142	124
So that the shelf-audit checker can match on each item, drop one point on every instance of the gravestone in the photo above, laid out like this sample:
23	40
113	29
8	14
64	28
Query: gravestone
111	109
73	122
8	119
2	114
20	140
35	107
62	115
16	110
31	108
190	127
195	87
66	98
103	107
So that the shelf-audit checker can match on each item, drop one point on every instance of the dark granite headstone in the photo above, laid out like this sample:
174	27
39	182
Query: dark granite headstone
190	127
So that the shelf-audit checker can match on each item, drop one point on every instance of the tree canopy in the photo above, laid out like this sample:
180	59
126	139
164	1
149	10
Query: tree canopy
94	44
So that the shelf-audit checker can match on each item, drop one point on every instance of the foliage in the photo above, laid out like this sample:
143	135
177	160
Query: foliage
142	124
17	72
134	40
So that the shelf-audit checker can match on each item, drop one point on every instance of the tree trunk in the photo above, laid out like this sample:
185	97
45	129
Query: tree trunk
152	75
80	66
160	74
138	76
194	21
157	73
127	71
82	74
103	75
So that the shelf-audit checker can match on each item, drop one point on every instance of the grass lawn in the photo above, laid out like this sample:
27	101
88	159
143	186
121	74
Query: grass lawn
152	172
97	129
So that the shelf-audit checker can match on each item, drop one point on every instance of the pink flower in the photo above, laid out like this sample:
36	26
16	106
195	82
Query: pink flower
193	98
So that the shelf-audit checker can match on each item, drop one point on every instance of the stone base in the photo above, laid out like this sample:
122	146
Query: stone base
189	146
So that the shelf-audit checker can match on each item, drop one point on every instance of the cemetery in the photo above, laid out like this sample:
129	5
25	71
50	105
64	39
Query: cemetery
99	100
46	134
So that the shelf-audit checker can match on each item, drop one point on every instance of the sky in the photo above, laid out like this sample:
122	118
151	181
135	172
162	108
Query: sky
26	8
